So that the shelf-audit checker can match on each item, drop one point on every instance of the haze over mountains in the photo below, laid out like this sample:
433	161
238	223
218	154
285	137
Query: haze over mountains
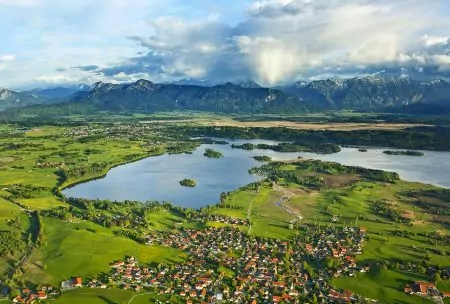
360	94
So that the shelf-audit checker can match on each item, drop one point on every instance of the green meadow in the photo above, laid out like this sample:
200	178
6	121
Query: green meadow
12	218
111	296
385	285
85	249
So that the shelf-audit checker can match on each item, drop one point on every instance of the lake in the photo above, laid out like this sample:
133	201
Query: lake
157	178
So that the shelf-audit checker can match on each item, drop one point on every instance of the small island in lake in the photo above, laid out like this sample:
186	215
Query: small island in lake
408	153
362	150
263	158
212	154
188	182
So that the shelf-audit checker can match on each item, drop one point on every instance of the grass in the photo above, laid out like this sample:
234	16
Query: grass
55	146
10	212
349	203
48	201
267	220
108	296
85	249
385	285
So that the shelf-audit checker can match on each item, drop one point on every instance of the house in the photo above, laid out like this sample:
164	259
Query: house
422	287
77	282
42	295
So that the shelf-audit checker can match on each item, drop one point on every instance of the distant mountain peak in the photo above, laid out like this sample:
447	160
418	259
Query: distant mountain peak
369	93
144	82
12	99
103	86
249	84
192	82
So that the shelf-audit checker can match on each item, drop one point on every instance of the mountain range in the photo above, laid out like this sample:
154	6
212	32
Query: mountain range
12	99
358	94
57	92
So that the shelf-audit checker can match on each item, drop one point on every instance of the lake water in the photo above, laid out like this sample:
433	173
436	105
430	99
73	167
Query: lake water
157	178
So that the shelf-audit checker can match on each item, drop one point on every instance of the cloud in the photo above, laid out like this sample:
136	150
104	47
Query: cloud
87	68
283	39
18	2
185	49
272	41
5	58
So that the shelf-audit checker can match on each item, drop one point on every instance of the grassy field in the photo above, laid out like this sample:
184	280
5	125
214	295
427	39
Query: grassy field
57	145
267	220
385	286
109	296
85	249
10	212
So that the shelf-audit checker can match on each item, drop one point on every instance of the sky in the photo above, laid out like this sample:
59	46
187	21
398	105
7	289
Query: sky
47	43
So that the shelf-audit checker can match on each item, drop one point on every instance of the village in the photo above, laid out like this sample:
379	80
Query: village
226	264
230	266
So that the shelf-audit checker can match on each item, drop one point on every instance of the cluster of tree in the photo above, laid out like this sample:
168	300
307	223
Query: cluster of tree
132	215
210	153
436	238
435	273
181	147
312	171
427	138
407	153
434	201
11	242
439	193
321	148
339	118
132	234
83	171
20	146
211	141
25	191
389	210
433	209
188	182
90	138
263	158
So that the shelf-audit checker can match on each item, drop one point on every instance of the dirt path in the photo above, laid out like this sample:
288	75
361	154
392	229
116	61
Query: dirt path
286	196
